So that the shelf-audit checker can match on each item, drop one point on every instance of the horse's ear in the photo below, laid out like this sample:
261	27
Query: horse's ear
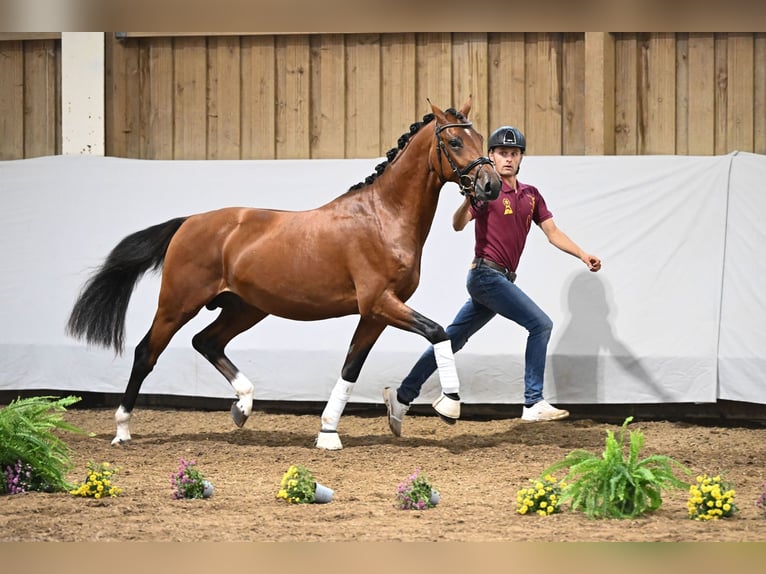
438	114
466	109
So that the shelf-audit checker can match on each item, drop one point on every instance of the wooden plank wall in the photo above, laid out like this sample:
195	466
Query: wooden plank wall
353	95
30	98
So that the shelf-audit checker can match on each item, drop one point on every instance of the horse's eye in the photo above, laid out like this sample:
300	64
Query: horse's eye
455	143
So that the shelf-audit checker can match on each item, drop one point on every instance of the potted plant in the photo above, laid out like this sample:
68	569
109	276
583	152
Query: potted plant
33	457
710	498
416	493
298	486
188	482
542	498
613	485
99	482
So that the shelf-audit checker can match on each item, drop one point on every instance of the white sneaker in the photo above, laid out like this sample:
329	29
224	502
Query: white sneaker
396	410
543	411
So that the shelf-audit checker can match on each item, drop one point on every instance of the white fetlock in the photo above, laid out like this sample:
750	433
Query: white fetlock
447	407
123	426
244	389
328	440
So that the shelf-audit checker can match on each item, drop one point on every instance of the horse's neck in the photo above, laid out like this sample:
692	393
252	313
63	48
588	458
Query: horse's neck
409	187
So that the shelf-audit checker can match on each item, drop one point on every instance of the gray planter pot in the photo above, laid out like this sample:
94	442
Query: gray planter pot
322	493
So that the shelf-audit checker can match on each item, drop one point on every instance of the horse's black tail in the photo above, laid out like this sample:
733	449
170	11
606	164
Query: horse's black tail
99	313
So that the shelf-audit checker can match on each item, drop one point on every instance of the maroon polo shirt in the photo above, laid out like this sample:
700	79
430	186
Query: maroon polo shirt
502	225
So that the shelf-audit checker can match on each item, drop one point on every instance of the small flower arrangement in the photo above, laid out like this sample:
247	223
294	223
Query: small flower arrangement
710	498
542	498
188	482
416	493
98	483
298	485
20	478
761	502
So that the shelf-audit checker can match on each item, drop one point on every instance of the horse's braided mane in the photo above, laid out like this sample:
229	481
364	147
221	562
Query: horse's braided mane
403	139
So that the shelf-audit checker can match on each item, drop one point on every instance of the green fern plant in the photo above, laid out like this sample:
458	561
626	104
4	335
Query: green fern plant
28	435
613	485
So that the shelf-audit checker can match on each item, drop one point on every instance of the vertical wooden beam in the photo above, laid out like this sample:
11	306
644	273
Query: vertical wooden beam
157	102
626	94
223	95
544	94
12	100
123	98
701	97
759	93
660	95
41	99
682	93
739	111
573	95
398	88
363	96
434	70
721	92
470	67
190	109
258	97
293	57
328	96
599	93
82	93
507	88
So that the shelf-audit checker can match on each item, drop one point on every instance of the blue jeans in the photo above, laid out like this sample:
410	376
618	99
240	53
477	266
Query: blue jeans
491	294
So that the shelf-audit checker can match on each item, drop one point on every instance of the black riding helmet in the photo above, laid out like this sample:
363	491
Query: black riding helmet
507	136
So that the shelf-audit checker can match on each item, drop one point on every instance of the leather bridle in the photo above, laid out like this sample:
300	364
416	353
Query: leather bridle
466	182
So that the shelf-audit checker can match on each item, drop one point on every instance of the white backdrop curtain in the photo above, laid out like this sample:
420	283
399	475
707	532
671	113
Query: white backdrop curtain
674	316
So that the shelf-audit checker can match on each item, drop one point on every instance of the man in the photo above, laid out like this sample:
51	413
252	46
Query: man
501	228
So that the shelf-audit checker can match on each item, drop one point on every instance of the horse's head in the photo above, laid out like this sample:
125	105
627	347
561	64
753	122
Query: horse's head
462	149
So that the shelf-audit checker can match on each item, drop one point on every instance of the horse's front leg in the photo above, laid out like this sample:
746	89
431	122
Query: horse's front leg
367	332
398	314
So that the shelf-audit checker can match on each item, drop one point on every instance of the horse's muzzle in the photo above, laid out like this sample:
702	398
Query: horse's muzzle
488	183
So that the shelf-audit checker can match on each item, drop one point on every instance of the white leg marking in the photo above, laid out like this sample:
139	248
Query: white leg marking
334	408
445	361
244	389
123	426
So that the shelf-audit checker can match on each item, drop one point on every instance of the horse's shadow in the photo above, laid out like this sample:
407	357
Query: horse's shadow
581	434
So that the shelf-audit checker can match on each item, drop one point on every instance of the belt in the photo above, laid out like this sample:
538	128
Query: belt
479	261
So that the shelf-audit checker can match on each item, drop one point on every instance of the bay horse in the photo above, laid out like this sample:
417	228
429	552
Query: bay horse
357	254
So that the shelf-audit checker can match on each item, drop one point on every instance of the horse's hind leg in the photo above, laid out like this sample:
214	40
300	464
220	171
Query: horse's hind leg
367	332
236	317
164	326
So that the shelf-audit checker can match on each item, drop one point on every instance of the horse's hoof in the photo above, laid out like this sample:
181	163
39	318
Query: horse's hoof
447	408
239	417
447	420
120	441
328	440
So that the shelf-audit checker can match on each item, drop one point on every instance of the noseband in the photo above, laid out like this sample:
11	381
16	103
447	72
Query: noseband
466	183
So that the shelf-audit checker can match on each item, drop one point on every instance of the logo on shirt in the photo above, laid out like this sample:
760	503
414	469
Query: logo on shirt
507	205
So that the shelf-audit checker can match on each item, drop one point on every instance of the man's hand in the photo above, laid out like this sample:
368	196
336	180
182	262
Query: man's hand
593	262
